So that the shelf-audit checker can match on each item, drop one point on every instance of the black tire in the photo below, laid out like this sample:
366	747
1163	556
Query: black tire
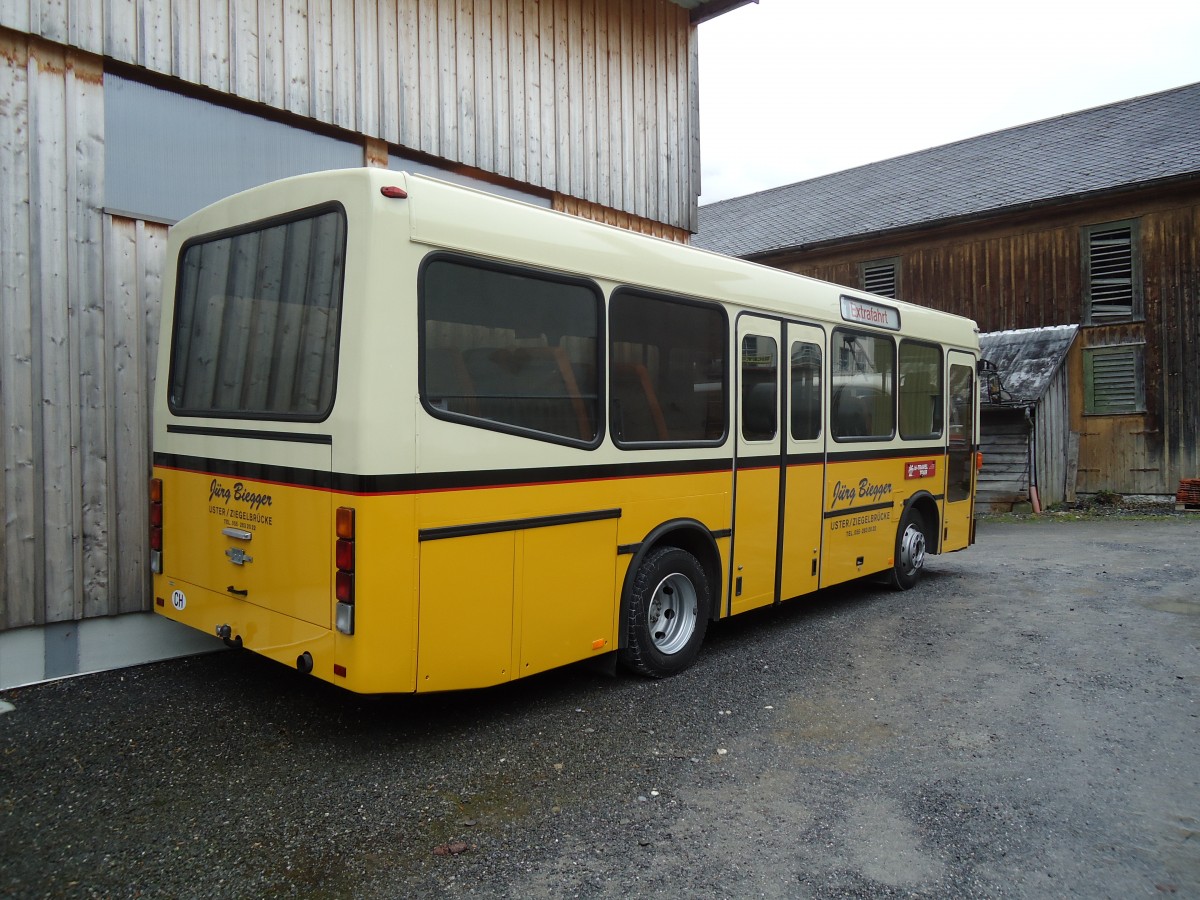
667	612
910	550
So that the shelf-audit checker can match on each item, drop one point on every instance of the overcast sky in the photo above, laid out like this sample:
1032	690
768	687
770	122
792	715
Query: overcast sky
793	89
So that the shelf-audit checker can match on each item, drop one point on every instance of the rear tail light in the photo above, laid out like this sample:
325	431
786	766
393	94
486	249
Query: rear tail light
156	525
344	580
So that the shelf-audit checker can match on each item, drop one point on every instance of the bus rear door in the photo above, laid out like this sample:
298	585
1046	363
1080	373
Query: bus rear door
757	466
960	452
805	462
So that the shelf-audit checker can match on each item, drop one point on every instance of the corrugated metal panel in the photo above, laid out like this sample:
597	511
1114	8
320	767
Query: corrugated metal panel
595	100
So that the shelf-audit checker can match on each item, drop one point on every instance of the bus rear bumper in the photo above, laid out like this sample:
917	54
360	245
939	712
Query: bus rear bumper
283	638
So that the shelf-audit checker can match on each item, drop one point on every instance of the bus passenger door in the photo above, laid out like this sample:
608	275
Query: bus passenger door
805	470
963	442
758	457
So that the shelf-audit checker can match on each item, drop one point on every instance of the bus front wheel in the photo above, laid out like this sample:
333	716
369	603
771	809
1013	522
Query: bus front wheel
910	550
666	613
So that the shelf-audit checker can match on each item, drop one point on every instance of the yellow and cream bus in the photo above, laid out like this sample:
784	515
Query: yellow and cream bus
413	437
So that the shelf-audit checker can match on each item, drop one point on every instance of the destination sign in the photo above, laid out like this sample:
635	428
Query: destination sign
866	313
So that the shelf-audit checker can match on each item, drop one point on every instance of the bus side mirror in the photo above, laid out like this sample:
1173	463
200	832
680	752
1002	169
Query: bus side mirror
990	376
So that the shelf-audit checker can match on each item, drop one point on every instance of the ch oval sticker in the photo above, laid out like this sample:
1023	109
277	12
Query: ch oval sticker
178	600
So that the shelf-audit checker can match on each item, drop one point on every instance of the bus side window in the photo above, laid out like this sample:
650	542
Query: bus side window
448	382
510	348
667	378
921	396
862	402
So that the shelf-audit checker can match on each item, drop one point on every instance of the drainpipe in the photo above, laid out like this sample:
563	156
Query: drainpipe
1033	491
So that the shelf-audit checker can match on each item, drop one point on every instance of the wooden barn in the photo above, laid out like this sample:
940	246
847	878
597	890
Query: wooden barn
119	117
1090	218
1030	452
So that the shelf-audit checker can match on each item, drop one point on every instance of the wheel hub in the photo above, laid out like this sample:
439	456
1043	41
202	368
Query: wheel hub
912	549
672	613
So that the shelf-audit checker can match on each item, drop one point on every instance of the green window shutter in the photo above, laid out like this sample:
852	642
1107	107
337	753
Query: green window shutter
1113	380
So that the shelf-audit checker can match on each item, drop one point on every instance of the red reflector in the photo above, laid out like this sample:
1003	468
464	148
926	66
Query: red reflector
155	538
156	490
394	192
344	587
345	522
339	670
156	514
345	555
159	601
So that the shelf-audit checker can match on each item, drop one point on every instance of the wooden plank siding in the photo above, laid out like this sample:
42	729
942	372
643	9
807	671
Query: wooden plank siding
76	350
591	99
1026	271
1004	479
1052	440
534	92
79	306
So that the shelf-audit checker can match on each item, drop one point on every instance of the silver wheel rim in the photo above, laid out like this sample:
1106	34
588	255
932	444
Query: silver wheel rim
912	550
672	614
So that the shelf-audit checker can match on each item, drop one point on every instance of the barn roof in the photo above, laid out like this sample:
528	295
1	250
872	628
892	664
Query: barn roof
703	10
1027	359
1135	142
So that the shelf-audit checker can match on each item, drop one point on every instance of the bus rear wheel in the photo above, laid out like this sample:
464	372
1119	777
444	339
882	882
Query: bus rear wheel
910	550
667	613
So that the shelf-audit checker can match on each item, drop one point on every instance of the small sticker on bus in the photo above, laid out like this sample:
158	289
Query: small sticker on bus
178	600
926	468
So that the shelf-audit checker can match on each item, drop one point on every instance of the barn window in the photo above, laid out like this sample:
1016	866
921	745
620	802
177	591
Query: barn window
881	276
1112	277
1112	380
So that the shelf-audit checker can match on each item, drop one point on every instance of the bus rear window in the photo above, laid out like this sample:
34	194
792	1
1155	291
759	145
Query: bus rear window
256	320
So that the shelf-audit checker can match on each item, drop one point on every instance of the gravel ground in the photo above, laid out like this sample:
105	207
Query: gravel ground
1023	724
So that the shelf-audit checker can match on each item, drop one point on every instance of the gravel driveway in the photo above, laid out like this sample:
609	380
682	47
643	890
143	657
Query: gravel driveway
1023	724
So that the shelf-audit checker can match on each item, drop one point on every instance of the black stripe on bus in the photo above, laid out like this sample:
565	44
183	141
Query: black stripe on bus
836	456
286	475
442	481
433	481
758	462
805	459
251	434
871	507
476	528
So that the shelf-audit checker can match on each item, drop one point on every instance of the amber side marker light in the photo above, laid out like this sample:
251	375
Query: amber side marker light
343	555
979	461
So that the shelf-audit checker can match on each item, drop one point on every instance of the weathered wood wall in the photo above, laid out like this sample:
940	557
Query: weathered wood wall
592	99
1004	479
78	318
1052	439
1026	271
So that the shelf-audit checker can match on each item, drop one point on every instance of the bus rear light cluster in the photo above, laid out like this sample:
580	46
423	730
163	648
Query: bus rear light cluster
156	525
344	579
